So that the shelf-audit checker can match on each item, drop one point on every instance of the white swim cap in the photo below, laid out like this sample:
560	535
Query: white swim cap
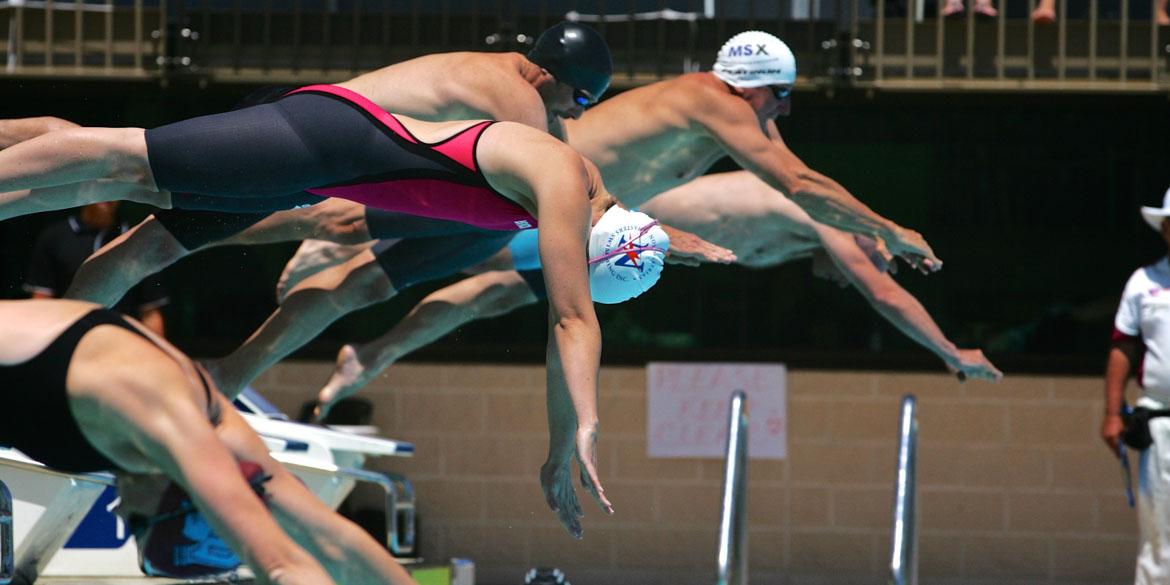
755	59
626	253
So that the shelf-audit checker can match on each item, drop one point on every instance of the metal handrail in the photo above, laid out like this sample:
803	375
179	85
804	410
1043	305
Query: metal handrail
904	549
7	558
271	42
400	502
732	557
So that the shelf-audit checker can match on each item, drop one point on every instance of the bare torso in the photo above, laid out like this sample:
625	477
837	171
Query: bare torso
739	211
453	86
646	141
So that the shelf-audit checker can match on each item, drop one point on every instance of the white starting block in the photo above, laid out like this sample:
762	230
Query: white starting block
61	524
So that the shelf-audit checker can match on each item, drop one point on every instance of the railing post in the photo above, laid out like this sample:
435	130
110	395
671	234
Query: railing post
904	547
732	557
7	558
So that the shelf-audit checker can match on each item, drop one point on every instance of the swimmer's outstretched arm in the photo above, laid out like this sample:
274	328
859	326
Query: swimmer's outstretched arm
553	178
825	200
139	404
899	307
573	360
691	250
346	551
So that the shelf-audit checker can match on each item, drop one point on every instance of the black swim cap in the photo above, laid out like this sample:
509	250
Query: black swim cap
576	55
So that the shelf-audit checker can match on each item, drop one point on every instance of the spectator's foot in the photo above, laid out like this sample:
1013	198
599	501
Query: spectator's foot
985	9
952	7
1163	19
1043	16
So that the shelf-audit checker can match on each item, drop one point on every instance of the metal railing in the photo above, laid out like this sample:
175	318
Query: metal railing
868	44
732	557
399	503
904	548
82	37
7	558
1097	51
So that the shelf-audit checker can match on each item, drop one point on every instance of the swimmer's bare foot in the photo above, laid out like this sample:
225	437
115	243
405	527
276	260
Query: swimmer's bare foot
349	375
1043	15
312	257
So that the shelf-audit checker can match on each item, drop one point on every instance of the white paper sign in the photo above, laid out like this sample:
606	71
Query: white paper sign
688	405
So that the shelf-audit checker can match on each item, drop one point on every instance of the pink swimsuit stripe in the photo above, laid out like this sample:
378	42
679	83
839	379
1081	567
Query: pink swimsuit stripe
461	147
478	206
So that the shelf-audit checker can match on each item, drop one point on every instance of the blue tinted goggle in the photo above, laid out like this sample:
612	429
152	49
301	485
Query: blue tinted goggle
780	91
581	98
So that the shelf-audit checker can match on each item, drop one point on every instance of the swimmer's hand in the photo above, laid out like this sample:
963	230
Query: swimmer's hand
973	364
691	250
911	247
557	484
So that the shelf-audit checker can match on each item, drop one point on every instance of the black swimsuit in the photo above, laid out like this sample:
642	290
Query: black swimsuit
37	418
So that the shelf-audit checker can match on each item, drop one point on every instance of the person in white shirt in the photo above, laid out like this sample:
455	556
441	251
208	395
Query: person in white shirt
1141	335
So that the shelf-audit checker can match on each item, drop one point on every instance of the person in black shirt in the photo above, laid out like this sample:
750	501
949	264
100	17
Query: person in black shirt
63	247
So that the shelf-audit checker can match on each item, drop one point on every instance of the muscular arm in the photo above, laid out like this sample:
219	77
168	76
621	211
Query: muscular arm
346	551
535	169
1123	353
899	307
735	126
573	356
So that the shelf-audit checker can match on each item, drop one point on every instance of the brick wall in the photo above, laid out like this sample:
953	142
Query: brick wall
1015	485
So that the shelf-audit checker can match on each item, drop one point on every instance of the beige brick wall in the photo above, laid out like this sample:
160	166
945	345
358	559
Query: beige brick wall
1015	485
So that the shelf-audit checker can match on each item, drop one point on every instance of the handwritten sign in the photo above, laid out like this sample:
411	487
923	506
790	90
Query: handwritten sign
688	405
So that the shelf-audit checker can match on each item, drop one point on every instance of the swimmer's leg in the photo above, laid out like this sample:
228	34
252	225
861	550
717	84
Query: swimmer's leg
312	257
309	308
478	297
335	220
110	272
69	156
344	229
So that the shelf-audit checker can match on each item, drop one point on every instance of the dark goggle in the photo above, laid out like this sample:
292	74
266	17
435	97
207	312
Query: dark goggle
780	91
581	98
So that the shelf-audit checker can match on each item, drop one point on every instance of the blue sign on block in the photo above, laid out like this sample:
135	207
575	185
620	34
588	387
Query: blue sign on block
101	528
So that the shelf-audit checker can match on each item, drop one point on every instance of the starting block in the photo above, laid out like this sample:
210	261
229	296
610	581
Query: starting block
56	524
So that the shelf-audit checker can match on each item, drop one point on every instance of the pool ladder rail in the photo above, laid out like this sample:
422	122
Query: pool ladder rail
904	545
732	556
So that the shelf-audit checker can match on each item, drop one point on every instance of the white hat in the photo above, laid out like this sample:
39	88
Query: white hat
1154	215
626	253
755	59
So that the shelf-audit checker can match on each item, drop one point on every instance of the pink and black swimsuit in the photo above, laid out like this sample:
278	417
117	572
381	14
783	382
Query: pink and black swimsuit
330	142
